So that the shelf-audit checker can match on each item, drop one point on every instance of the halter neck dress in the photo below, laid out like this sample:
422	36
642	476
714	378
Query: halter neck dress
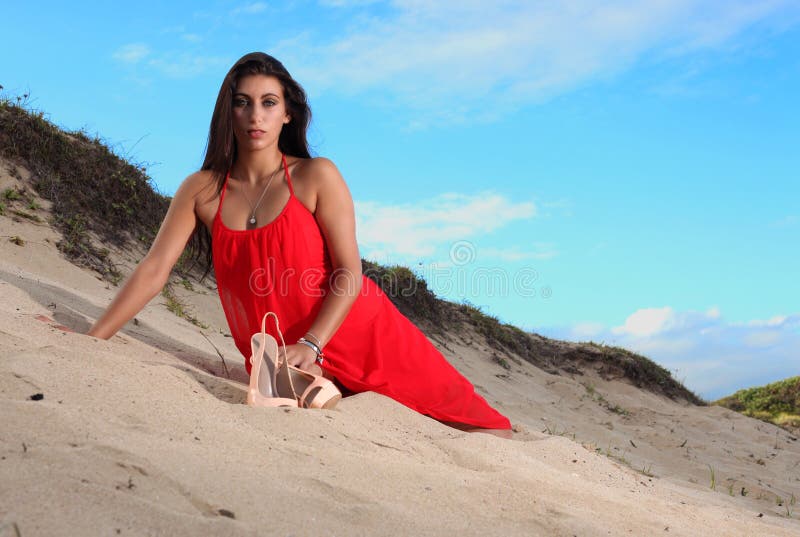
283	266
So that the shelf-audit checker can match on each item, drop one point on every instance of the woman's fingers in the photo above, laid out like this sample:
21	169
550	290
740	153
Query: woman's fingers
300	356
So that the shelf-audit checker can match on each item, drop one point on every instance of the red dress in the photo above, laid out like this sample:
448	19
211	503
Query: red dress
284	266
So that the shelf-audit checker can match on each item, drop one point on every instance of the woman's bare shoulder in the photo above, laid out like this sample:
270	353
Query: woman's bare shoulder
200	185
314	165
199	180
316	172
316	178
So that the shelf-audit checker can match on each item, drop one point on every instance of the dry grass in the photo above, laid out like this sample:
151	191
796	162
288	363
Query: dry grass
94	192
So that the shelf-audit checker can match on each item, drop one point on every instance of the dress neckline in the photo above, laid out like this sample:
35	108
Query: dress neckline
218	216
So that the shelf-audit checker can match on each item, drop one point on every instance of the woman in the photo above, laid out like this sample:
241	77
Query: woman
281	229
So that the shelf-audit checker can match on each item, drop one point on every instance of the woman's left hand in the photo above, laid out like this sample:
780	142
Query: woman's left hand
303	357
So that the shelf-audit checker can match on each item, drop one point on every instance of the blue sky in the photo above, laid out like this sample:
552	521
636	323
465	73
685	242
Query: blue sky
616	171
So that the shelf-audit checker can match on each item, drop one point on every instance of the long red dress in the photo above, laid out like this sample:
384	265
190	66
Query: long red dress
284	266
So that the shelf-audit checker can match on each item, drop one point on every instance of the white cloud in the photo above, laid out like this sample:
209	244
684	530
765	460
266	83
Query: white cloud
587	330
762	338
647	322
250	9
651	345
458	60
776	320
563	206
131	53
540	251
188	65
714	23
416	230
181	31
170	64
790	220
714	357
347	3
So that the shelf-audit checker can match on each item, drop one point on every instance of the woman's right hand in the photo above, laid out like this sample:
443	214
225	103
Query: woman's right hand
303	357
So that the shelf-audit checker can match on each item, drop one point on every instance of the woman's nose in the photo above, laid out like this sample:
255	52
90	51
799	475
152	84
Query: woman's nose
255	113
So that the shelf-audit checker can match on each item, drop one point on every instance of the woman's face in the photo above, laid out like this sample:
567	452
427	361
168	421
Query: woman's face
259	112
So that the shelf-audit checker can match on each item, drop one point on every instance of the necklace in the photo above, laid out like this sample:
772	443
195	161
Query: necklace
251	222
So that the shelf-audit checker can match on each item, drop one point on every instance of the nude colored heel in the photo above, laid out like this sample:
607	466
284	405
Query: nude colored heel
306	389
262	391
315	391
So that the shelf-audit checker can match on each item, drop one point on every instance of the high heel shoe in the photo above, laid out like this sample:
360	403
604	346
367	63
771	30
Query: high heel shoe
316	391
262	391
287	381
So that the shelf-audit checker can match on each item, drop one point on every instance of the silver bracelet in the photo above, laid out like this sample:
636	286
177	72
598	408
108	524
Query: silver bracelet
319	341
320	356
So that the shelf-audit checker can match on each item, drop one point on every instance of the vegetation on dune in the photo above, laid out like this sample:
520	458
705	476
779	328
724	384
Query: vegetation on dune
507	342
93	191
777	403
640	370
99	199
409	293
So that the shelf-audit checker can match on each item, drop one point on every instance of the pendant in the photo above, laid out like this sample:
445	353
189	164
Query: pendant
252	220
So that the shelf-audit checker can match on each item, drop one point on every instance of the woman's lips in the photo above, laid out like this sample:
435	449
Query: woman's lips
255	133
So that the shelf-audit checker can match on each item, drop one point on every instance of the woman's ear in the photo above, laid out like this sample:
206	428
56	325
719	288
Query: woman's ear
287	119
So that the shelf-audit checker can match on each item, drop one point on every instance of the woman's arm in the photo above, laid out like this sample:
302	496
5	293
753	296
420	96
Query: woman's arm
152	272
336	217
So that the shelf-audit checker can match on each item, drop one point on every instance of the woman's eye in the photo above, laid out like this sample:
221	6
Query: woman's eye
238	103
269	102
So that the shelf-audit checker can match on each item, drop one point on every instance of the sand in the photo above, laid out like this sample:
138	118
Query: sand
147	434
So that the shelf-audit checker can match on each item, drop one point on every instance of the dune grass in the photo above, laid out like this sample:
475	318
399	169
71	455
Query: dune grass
94	192
777	403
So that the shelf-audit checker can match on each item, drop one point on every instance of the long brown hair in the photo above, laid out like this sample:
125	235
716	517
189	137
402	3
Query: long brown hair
221	144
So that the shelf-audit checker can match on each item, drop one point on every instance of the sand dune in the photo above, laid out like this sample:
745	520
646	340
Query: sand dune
147	434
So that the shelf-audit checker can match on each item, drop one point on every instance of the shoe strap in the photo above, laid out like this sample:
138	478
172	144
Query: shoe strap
319	387
283	346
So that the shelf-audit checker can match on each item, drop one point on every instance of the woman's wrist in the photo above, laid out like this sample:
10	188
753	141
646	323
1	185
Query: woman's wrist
313	338
313	346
